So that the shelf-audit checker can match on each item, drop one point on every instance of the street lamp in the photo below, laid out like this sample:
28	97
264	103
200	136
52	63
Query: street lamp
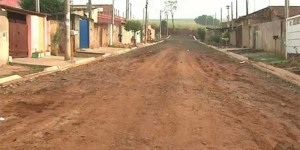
228	15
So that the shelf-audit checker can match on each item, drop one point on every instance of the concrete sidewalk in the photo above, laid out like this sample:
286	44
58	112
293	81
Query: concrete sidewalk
110	51
57	63
50	61
281	73
101	50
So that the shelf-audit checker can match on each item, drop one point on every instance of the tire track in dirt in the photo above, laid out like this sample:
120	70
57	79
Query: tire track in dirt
175	95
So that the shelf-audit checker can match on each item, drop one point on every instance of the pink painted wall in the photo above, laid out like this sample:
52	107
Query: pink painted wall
13	3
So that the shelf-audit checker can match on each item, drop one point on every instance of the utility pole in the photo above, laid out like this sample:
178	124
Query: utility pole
127	9
287	11
237	9
111	40
222	17
160	24
247	7
130	6
37	5
254	6
90	8
67	31
146	22
228	18
167	23
287	15
232	15
215	19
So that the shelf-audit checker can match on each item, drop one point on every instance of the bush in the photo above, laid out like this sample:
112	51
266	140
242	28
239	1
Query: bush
56	40
225	34
215	38
201	33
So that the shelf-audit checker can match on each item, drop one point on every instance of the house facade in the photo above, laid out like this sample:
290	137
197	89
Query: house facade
29	27
264	29
101	29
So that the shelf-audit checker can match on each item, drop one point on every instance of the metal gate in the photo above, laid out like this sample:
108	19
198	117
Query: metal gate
239	36
84	33
18	40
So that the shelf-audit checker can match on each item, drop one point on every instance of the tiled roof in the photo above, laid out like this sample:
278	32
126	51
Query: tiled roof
280	10
12	3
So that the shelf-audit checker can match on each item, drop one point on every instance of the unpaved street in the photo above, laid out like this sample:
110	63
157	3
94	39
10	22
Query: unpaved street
177	95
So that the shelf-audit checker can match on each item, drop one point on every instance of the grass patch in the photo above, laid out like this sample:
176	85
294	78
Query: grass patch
247	51
271	59
31	69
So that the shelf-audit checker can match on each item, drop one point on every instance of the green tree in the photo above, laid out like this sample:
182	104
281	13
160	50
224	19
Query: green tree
134	26
46	6
201	33
207	20
171	6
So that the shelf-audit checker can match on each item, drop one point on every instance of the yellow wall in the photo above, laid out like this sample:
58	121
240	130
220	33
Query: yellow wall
4	40
37	26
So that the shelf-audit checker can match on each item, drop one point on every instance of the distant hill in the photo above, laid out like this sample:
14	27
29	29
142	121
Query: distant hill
179	23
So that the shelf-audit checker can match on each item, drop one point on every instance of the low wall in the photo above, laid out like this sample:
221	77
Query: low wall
262	36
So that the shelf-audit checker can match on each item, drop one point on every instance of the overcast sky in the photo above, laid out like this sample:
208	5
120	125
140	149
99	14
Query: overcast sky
190	8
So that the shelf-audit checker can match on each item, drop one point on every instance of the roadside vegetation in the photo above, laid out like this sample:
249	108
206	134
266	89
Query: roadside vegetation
46	6
134	26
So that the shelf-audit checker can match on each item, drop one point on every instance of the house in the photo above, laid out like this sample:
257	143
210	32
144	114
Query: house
99	30
151	33
28	31
12	3
104	22
264	29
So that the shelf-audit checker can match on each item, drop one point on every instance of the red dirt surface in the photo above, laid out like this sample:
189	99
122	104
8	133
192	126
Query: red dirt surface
177	95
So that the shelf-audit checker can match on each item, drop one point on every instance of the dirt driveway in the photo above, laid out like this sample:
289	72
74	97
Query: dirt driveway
177	95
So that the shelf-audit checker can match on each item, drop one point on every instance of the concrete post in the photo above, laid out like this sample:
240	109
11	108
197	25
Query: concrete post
67	30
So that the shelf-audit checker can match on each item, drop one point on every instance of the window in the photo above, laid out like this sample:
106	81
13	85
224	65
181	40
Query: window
296	21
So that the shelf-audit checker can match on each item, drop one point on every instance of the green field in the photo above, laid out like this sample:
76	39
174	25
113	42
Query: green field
179	23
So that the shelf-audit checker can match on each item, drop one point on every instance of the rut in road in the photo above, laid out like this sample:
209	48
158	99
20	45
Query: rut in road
174	95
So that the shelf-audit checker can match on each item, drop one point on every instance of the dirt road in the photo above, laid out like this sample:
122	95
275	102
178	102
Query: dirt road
177	95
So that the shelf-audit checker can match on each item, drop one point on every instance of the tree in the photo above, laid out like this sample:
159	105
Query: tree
46	6
201	34
171	6
207	20
134	26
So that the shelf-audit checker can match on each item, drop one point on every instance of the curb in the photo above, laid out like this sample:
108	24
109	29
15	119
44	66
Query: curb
10	78
16	78
85	60
281	73
53	68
